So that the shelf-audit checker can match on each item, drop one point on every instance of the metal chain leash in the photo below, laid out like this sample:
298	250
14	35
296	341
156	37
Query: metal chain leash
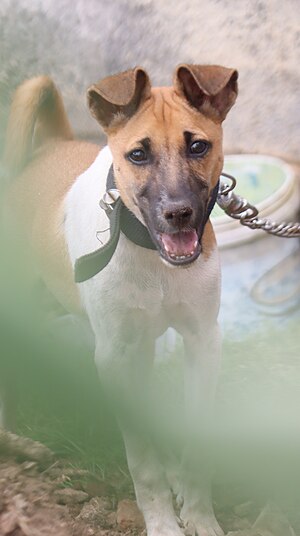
235	206
240	209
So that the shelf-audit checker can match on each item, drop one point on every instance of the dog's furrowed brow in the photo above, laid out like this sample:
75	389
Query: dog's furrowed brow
190	136
145	143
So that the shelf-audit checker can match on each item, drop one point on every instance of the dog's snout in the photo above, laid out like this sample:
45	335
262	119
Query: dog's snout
178	215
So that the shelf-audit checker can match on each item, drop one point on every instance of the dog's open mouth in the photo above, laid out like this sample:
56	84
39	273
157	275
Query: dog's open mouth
181	247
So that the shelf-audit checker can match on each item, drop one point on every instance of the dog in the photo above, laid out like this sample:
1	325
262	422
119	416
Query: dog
165	152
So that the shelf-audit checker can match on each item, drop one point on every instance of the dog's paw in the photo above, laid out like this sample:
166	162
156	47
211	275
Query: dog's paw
204	526
170	528
164	531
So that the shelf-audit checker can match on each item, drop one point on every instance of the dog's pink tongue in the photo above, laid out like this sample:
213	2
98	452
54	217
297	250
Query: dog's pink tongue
181	243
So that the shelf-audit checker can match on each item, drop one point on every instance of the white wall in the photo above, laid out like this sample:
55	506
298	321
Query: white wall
80	41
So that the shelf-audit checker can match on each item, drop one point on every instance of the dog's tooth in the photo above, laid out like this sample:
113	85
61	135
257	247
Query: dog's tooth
195	243
181	257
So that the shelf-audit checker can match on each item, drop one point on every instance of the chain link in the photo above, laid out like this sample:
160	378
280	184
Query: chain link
240	209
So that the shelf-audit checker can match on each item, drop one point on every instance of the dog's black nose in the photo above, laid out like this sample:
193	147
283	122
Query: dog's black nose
178	215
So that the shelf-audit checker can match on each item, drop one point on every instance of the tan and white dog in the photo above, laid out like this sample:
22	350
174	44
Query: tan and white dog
165	145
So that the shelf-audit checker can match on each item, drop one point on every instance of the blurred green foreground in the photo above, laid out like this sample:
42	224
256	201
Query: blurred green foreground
49	380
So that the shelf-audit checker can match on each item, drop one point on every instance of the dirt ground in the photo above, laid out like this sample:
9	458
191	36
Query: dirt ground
41	495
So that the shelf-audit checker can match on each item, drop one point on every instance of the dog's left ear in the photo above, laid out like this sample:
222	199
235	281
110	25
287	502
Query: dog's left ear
211	89
116	98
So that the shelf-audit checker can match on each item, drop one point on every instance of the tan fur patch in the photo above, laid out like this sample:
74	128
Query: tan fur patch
208	241
36	198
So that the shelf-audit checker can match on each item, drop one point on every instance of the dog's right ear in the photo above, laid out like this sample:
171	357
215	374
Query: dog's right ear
116	98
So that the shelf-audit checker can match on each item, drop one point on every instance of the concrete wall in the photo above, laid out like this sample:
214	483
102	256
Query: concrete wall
80	41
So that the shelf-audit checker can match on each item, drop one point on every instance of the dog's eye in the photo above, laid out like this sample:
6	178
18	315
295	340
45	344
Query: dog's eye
138	156
199	148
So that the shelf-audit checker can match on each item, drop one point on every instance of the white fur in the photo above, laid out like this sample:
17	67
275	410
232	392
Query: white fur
129	304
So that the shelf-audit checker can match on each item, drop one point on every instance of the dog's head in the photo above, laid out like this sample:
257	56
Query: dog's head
167	148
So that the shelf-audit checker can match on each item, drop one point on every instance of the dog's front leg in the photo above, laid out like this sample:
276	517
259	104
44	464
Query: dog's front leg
201	371
125	371
152	490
